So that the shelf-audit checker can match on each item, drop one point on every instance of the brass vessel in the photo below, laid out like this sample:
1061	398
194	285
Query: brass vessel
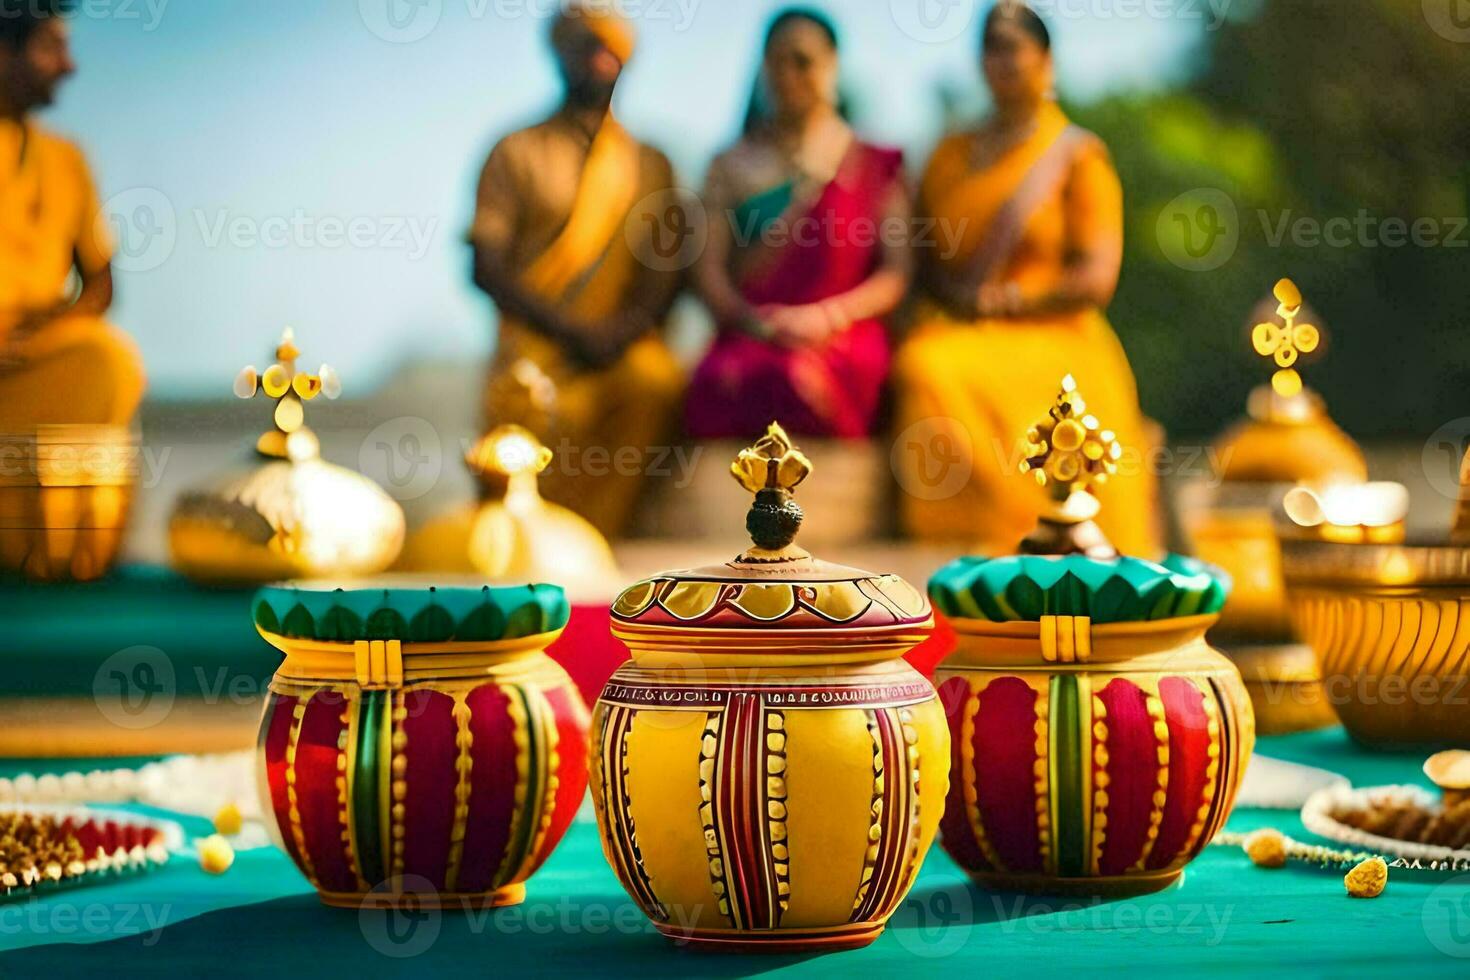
1286	439
291	514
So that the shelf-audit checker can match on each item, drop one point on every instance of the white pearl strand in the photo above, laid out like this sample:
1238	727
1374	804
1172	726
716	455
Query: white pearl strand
194	784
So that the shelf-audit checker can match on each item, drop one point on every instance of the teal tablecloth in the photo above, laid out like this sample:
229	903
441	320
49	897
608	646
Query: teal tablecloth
261	919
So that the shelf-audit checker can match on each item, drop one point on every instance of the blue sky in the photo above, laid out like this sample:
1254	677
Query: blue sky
277	162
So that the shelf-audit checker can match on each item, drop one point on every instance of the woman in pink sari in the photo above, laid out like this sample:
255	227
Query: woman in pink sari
808	251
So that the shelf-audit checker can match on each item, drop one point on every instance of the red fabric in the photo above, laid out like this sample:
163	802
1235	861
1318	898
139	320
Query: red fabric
431	777
317	801
588	651
940	644
1133	769
1005	777
492	788
835	390
571	751
1189	740
954	826
277	735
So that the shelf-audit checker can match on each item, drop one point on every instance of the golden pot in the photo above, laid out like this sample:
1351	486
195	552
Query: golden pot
65	494
1390	625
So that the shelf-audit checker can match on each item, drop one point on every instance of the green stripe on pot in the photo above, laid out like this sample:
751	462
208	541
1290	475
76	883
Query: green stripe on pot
411	613
367	783
1024	588
1069	819
526	832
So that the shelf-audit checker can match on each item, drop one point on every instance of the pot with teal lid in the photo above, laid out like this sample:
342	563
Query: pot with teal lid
1098	741
418	745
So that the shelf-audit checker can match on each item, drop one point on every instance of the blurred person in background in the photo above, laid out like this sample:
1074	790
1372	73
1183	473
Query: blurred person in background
807	254
573	227
60	362
1037	206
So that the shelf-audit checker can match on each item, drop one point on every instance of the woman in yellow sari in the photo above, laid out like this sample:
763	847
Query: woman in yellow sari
1037	210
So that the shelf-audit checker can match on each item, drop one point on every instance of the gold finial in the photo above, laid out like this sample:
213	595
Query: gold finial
1070	452
772	469
507	460
1285	342
290	388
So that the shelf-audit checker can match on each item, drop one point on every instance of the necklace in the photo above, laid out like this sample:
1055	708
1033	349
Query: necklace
199	785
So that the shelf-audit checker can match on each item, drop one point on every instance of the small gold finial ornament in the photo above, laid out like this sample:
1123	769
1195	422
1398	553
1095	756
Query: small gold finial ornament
512	533
290	388
291	514
1285	342
1069	452
772	469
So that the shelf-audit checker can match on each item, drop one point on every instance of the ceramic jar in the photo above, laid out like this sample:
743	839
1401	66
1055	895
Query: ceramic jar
1098	740
767	771
418	745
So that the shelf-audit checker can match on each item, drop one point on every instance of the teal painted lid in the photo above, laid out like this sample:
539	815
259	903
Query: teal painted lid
410	610
1024	588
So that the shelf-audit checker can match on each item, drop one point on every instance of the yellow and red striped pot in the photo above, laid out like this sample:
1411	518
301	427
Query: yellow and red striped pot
418	745
768	773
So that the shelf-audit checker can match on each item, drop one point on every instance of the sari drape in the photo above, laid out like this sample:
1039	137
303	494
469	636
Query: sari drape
794	253
968	390
578	246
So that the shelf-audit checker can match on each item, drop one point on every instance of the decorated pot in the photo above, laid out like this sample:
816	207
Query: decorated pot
768	773
418	744
1098	740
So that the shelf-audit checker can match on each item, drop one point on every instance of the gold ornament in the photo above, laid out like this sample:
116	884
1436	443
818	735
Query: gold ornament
215	854
772	469
1266	848
1284	343
513	533
1068	452
1368	879
293	515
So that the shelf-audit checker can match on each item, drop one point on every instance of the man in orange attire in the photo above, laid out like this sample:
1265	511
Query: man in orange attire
60	362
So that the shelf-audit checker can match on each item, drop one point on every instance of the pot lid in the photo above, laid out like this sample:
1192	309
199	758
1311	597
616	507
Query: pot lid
409	609
1067	566
775	584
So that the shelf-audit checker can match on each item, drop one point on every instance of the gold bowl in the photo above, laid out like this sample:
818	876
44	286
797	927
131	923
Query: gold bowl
1390	625
65	493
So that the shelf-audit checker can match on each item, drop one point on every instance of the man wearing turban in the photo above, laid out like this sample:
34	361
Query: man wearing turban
571	236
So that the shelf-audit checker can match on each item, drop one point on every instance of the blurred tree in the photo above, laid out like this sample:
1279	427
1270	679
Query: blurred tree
1320	136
